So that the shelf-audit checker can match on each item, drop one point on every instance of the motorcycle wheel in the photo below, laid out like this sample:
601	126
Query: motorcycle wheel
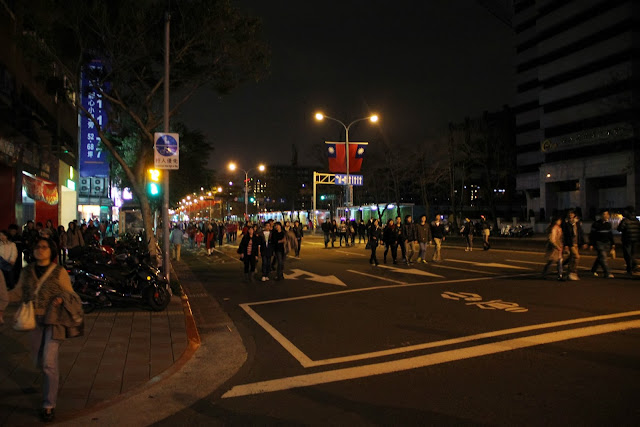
158	298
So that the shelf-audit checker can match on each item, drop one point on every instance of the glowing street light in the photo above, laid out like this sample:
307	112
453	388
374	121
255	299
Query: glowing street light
373	119
232	167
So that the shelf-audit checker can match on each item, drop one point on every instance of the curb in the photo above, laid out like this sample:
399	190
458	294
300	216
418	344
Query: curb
193	338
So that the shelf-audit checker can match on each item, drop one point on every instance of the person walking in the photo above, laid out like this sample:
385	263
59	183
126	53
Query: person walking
573	237
333	232
467	232
176	239
486	232
409	238
362	228
209	238
278	238
326	228
48	286
297	230
390	239
629	227
266	250
199	237
438	234
601	238
555	245
191	232
423	235
62	245
8	258
342	233
220	233
75	241
374	237
248	250
400	239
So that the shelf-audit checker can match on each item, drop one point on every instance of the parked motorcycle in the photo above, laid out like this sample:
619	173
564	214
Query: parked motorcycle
120	279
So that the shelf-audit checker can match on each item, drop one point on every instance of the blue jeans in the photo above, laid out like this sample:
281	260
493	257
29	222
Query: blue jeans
44	350
266	265
423	250
602	249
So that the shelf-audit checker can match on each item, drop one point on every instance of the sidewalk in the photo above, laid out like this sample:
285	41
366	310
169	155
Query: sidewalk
122	349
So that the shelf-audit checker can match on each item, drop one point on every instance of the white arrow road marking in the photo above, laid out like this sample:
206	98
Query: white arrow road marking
352	253
331	280
489	264
410	271
416	362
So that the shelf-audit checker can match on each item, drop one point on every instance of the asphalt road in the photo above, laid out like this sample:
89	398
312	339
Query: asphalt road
479	338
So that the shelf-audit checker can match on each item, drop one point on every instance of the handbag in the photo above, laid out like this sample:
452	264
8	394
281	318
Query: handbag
25	317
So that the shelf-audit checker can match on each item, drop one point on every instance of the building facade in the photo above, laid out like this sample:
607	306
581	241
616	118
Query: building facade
576	104
38	136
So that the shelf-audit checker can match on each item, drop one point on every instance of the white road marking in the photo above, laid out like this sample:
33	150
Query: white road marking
284	342
225	254
489	264
373	288
297	353
468	270
352	253
425	360
377	277
410	271
331	280
525	262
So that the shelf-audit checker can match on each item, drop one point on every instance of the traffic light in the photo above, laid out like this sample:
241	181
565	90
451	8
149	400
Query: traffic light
153	182
323	197
252	199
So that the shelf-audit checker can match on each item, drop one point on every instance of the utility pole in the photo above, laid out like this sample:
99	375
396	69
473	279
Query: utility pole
165	196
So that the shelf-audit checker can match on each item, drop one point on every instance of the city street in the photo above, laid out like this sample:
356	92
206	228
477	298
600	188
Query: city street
479	338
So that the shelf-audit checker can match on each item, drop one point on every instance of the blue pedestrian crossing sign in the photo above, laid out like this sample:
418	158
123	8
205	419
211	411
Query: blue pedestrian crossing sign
166	150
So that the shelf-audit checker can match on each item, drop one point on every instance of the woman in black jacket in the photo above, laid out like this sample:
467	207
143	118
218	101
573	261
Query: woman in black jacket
374	237
248	250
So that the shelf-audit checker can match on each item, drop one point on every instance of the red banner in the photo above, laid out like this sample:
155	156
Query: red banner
338	161
40	190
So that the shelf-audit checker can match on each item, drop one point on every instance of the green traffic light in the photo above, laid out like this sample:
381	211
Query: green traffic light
154	189
322	197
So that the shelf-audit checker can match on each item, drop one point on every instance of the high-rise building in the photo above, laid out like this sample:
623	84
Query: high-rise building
577	104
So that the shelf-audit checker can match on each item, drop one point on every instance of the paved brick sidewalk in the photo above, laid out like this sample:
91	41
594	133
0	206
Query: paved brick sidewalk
122	348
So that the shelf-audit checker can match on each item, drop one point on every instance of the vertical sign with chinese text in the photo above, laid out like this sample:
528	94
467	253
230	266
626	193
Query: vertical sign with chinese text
93	159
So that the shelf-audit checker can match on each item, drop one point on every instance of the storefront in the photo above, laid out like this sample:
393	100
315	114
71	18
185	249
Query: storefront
40	199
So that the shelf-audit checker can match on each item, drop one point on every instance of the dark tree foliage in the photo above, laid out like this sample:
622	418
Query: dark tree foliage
213	44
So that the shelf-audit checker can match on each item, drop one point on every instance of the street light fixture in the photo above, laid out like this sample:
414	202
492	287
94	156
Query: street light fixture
232	167
373	119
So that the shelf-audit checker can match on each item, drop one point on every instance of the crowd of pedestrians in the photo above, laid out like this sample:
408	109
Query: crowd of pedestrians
565	239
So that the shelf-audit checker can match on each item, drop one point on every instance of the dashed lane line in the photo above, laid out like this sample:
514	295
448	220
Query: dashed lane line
344	374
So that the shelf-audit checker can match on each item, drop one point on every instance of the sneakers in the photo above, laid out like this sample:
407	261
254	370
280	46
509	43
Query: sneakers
466	249
264	278
594	274
609	276
424	261
419	260
573	277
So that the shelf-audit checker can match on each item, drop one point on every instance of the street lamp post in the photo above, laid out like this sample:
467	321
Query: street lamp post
373	118
233	167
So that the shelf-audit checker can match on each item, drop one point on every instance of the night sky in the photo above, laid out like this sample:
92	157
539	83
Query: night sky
418	64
